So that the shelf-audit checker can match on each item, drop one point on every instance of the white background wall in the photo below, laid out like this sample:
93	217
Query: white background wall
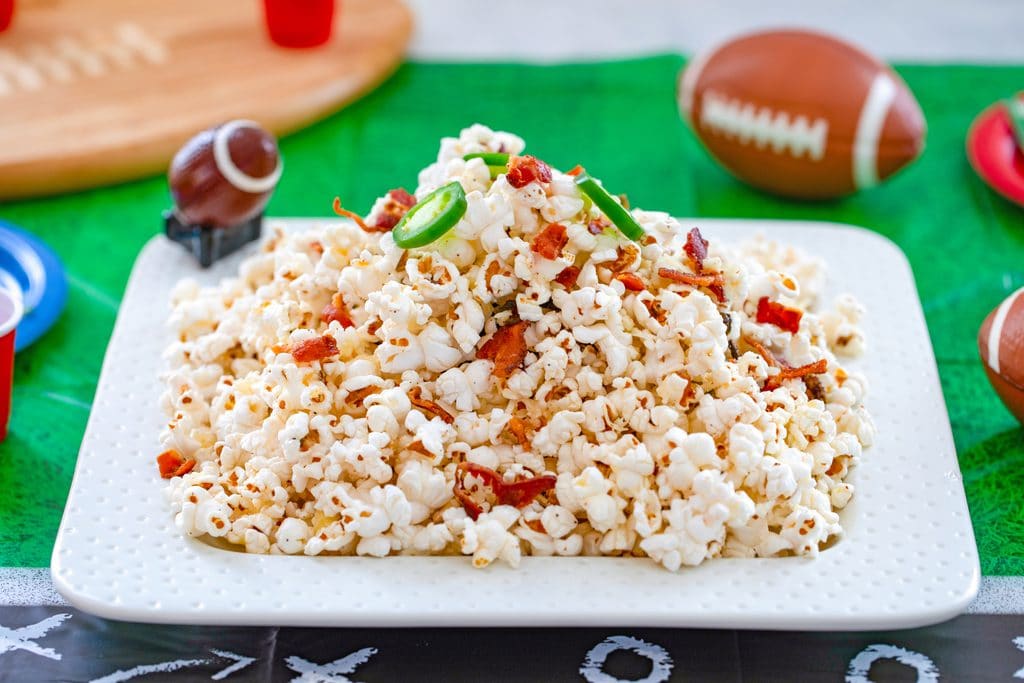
550	30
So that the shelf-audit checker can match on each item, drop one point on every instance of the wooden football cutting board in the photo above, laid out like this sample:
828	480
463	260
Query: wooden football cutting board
99	91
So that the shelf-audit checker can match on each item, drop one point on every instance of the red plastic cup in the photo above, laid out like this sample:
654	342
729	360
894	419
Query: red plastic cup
6	14
298	23
10	315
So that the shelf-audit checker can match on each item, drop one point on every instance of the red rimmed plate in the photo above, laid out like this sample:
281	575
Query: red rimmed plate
994	155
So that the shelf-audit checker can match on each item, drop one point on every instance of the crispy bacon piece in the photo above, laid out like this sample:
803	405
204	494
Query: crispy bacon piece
575	170
397	205
520	493
655	309
171	464
627	254
762	350
536	525
337	310
815	390
550	241
506	347
403	197
317	348
783	317
517	428
696	248
415	397
631	281
815	368
713	282
338	209
359	395
567	278
527	169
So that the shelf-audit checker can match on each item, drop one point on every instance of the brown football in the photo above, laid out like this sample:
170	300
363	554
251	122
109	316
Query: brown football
1001	345
801	114
224	175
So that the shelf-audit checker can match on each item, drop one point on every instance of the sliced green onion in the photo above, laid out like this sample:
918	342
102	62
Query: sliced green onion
497	162
1015	108
618	215
431	218
490	158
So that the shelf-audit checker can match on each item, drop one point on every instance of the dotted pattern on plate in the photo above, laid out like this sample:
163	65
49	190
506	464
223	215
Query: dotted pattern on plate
908	558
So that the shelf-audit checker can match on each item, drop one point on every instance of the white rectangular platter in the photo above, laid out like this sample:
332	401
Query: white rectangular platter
908	557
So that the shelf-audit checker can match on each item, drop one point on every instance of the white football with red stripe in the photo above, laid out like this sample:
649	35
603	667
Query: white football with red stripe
801	114
1001	345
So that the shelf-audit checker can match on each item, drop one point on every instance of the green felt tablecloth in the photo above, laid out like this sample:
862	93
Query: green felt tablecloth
966	245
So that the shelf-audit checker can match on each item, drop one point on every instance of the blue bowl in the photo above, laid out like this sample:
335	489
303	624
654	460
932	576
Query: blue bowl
29	267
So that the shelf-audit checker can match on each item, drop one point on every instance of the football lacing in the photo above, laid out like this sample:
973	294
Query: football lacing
764	127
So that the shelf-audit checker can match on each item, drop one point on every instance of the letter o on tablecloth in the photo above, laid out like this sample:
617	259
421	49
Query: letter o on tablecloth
861	664
661	662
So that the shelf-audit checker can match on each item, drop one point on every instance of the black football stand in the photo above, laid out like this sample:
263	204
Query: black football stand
210	244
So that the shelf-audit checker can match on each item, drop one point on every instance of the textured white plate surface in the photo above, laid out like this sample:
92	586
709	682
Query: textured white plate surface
908	557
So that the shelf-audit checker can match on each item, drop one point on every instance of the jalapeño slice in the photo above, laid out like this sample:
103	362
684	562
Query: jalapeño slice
431	218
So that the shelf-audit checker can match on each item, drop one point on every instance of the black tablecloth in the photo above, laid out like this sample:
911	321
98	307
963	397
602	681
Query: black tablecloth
63	644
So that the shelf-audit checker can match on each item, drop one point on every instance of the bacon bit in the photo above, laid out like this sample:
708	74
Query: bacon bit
506	347
761	350
429	406
317	348
418	447
397	205
815	368
814	388
536	525
168	462
519	494
171	464
526	169
783	317
550	241
403	197
354	216
655	309
696	248
359	395
626	258
575	170
185	468
631	281
713	281
517	428
337	311
567	278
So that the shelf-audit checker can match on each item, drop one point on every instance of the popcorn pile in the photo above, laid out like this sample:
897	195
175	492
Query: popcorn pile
514	387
